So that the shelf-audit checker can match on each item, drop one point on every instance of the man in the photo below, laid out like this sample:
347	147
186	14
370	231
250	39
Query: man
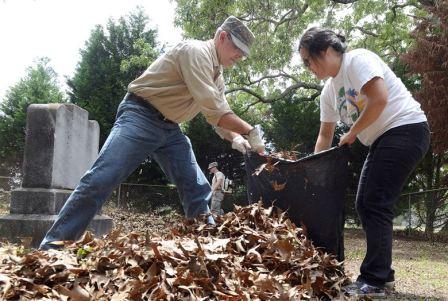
217	188
174	89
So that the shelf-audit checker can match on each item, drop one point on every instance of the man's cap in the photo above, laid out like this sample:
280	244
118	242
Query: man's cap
241	35
213	164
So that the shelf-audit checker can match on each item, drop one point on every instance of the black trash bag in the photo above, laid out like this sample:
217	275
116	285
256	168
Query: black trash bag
313	195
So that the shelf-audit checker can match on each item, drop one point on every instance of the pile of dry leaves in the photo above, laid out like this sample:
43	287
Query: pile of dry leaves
253	253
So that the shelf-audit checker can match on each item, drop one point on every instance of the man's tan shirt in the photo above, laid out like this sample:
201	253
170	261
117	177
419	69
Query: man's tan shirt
218	181
185	81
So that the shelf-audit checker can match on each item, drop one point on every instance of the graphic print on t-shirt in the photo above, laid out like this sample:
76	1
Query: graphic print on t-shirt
350	105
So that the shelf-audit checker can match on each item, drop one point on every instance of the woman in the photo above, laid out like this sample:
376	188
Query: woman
362	92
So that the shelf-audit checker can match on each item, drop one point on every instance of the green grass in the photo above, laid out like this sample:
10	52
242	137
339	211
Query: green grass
421	267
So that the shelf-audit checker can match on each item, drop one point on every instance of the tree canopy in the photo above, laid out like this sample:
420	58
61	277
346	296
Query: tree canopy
112	58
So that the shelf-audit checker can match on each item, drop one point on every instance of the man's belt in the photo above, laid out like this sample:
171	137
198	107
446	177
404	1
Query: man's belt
143	102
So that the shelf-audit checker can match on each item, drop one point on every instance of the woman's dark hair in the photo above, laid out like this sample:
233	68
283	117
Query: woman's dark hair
316	39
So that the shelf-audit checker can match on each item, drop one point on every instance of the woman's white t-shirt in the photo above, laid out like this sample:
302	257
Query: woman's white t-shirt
341	98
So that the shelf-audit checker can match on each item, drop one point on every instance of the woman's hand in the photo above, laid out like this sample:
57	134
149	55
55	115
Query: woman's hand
347	138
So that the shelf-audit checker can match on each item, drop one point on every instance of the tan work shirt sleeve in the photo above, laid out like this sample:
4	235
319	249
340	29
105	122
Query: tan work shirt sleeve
197	72
222	132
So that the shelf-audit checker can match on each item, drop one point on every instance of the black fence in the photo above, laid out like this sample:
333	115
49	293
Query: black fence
414	211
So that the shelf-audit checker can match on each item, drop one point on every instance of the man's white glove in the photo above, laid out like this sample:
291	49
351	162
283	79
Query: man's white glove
255	141
240	144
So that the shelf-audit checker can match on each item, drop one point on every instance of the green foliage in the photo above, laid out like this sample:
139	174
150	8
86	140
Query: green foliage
143	198
237	197
112	58
39	85
83	252
208	146
148	173
294	126
381	26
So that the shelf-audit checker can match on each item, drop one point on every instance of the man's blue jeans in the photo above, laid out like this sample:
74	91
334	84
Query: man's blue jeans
391	159
138	132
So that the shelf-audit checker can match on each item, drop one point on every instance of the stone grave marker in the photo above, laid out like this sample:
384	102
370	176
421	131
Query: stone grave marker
61	145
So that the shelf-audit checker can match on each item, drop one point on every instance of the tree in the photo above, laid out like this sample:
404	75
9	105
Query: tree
39	85
111	59
294	125
428	59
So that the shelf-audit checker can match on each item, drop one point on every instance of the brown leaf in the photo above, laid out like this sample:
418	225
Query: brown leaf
26	242
259	169
105	264
86	238
77	293
277	186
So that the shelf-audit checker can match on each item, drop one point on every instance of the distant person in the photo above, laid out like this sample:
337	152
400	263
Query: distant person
181	83
364	93
217	188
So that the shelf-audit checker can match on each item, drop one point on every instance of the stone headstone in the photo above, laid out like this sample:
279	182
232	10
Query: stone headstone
61	145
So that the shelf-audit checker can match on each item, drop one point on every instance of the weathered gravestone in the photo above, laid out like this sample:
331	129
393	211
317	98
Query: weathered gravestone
61	145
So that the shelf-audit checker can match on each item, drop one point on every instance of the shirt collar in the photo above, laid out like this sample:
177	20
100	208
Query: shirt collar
341	67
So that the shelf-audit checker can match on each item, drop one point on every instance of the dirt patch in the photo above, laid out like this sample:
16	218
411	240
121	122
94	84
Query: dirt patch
421	267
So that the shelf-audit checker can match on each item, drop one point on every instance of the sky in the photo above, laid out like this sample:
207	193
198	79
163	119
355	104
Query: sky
58	29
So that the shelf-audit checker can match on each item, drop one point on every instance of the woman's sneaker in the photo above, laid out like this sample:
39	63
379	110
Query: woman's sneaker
352	288
366	290
361	289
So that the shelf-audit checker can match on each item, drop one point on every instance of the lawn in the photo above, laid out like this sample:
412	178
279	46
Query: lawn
421	267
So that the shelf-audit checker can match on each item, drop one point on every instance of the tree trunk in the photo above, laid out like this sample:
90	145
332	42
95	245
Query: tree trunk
430	215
